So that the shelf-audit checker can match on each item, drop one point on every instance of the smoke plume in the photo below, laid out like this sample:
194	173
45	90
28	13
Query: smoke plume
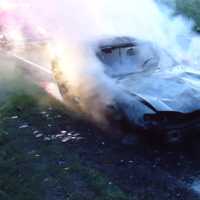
75	26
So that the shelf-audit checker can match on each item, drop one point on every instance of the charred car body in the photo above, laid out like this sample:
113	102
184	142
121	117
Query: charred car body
161	96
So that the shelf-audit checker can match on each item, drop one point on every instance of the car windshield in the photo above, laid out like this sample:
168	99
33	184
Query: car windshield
125	56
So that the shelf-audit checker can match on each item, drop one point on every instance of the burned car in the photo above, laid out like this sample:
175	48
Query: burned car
160	96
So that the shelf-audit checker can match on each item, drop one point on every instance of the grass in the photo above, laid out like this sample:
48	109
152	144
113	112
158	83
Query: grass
18	179
100	185
188	8
28	167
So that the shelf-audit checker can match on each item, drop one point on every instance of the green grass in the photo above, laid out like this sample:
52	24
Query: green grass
18	179
102	188
188	8
26	162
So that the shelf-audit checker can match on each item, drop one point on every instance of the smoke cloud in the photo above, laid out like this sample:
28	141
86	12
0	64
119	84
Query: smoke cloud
83	21
75	26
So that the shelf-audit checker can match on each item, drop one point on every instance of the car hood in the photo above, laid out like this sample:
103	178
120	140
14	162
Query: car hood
176	89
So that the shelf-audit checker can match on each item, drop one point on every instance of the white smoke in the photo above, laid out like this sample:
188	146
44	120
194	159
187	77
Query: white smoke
79	23
86	20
